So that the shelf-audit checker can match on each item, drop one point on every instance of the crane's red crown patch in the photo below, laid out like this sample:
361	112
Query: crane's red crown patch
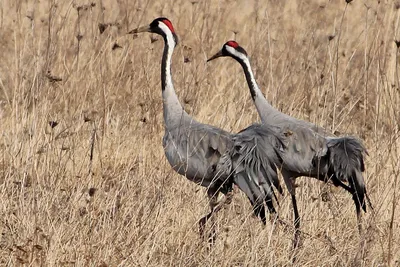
233	44
169	25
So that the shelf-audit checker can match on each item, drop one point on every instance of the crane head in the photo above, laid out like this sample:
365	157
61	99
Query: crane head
230	49
161	26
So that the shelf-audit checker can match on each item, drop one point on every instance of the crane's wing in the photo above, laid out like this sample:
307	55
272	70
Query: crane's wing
254	161
306	152
346	162
303	149
194	150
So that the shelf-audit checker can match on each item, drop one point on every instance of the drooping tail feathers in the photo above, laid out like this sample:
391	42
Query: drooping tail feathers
346	158
254	165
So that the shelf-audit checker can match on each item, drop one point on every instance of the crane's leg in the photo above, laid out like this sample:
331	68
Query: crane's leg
296	241
212	194
290	184
215	206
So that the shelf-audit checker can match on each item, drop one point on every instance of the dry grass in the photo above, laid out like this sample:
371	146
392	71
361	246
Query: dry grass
96	190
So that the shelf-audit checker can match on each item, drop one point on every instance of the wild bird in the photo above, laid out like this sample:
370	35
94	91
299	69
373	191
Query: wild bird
308	149
212	157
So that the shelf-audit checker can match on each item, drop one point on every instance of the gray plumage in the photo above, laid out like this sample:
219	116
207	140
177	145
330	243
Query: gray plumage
307	150
339	159
255	151
212	157
194	150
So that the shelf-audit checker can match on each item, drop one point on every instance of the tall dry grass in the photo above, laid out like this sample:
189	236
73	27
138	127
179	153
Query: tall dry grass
83	178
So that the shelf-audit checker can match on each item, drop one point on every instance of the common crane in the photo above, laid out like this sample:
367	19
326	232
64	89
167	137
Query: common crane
308	149
212	157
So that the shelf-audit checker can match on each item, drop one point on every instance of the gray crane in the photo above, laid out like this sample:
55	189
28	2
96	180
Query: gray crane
308	149
212	157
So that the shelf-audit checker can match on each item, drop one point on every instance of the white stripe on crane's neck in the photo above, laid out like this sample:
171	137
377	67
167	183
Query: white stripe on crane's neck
264	108
172	107
245	62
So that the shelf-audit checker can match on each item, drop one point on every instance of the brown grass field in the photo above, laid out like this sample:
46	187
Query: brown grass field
83	177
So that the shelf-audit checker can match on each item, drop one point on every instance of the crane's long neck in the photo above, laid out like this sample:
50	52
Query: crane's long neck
173	110
265	110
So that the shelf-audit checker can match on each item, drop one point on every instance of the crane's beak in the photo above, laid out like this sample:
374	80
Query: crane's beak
217	55
140	29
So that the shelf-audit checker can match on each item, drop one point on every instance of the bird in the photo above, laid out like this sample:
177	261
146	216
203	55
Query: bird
210	156
309	150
